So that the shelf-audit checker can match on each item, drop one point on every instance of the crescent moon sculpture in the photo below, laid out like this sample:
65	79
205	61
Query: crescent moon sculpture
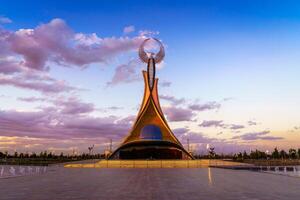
157	57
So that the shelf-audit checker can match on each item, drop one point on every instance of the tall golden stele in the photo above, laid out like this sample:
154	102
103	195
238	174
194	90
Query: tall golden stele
150	136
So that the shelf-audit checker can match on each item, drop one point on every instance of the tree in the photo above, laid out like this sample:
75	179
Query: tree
211	152
45	154
21	155
258	154
275	153
239	156
283	154
49	155
292	153
245	155
33	155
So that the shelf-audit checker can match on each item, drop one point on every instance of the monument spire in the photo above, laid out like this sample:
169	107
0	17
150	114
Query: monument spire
151	136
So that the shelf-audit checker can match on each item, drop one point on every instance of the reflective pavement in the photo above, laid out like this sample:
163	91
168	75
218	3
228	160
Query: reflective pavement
196	183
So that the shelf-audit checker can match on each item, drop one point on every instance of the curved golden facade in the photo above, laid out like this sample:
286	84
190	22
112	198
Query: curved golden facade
150	136
160	145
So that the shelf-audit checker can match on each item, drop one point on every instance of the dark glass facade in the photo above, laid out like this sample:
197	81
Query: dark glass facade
151	132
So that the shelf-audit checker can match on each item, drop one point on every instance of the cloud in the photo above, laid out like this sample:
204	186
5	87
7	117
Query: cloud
180	131
114	108
27	52
257	136
4	43
172	99
13	73
198	142
271	138
62	105
31	99
219	123
177	114
212	123
127	120
195	137
128	29
148	33
74	106
207	106
55	125
44	87
165	83
57	42
126	73
96	127
5	20
236	126
252	123
296	127
228	99
9	67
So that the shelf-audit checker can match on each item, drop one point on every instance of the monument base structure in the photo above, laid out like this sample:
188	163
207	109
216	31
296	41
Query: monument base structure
150	136
203	163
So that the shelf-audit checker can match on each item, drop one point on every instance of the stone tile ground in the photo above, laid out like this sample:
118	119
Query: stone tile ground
203	183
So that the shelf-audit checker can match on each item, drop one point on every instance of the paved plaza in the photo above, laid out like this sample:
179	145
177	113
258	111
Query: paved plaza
197	183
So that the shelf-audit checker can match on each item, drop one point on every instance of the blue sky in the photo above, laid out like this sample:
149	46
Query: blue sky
239	57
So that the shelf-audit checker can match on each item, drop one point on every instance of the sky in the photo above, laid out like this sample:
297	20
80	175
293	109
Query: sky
70	75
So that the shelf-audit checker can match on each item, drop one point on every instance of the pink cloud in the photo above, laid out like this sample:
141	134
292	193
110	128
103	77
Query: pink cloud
178	114
175	113
252	123
126	73
57	42
42	86
207	106
31	99
180	131
128	29
165	83
236	126
262	135
62	105
54	125
28	51
219	123
74	106
172	99
5	20
9	67
53	130
114	108
212	123
4	43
